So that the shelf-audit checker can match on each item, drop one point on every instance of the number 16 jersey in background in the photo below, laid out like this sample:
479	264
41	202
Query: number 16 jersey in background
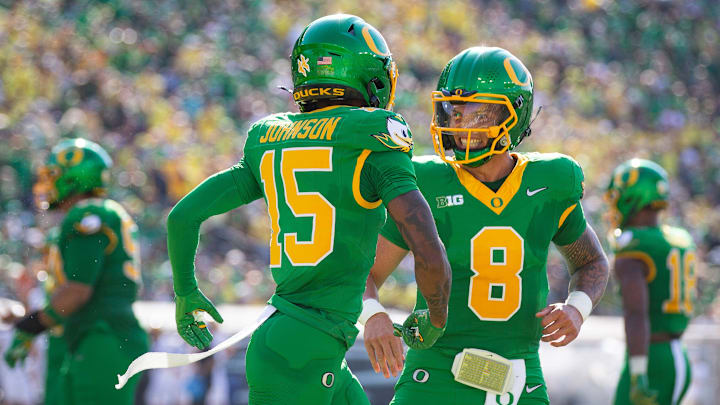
669	254
497	244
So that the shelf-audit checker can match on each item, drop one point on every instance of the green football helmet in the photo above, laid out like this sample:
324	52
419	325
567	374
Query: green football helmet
340	58
634	185
75	166
480	81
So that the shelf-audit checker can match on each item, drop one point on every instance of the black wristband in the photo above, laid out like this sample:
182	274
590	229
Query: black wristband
31	324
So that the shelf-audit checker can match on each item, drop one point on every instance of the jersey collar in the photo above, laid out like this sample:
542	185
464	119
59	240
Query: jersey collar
495	201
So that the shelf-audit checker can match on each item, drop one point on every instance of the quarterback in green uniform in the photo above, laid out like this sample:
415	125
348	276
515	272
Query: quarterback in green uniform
497	213
655	267
327	174
98	281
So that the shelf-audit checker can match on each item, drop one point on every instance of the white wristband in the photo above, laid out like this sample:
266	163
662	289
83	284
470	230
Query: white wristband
638	365
371	306
582	302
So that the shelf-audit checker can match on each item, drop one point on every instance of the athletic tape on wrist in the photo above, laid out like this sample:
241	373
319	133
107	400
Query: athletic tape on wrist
581	301
638	365
371	307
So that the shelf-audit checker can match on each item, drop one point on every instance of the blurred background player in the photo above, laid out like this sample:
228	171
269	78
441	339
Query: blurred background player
327	174
655	267
98	278
496	213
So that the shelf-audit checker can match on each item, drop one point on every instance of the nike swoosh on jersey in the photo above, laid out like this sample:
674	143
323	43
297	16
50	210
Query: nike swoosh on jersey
531	389
532	193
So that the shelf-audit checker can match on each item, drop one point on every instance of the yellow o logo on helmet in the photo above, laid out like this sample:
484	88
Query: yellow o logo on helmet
513	76
77	157
371	43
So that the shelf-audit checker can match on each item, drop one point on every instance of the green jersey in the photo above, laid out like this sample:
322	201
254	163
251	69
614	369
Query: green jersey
497	244
324	176
669	254
97	246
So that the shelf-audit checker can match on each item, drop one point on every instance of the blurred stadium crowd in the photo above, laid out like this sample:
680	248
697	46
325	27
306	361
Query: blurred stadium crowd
170	87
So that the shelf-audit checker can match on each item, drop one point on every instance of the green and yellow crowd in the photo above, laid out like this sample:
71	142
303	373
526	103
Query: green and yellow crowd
169	88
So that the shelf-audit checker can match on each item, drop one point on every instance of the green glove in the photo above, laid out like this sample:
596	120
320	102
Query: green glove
417	331
640	392
19	348
189	326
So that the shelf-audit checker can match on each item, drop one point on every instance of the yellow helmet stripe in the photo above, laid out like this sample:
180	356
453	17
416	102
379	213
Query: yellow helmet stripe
371	43
513	75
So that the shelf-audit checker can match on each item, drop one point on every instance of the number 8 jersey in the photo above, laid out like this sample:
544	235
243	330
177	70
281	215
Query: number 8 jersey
497	244
669	254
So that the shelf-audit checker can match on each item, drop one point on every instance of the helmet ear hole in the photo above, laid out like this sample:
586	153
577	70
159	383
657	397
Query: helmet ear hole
374	101
372	87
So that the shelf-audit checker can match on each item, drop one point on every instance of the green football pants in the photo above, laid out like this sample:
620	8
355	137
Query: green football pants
90	372
427	379
56	352
668	372
291	362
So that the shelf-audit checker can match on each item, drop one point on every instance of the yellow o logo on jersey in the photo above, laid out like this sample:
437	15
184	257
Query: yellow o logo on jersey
496	202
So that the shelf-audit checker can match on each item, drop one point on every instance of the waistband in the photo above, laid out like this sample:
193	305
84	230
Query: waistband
662	337
443	357
336	327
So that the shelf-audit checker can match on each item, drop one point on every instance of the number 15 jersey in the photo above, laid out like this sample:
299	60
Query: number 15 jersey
325	175
497	244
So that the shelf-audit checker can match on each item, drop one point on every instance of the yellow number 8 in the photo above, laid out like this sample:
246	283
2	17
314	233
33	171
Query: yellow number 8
497	256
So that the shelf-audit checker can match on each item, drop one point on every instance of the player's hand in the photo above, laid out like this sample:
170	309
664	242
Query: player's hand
561	323
190	326
383	348
417	331
19	348
640	392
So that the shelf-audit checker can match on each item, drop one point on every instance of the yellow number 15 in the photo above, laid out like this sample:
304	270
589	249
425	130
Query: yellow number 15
301	203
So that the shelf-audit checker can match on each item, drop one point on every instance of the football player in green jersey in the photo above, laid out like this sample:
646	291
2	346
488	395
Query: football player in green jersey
655	267
497	213
327	174
57	348
98	282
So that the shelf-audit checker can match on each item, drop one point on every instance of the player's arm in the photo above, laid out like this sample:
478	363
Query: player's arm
82	263
383	348
412	215
390	177
588	265
218	194
631	275
589	270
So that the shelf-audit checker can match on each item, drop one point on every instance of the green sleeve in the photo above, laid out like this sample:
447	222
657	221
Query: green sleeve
573	225
391	233
218	194
386	175
245	182
83	257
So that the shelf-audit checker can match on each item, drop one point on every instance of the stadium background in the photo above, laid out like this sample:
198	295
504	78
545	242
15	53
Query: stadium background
170	87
